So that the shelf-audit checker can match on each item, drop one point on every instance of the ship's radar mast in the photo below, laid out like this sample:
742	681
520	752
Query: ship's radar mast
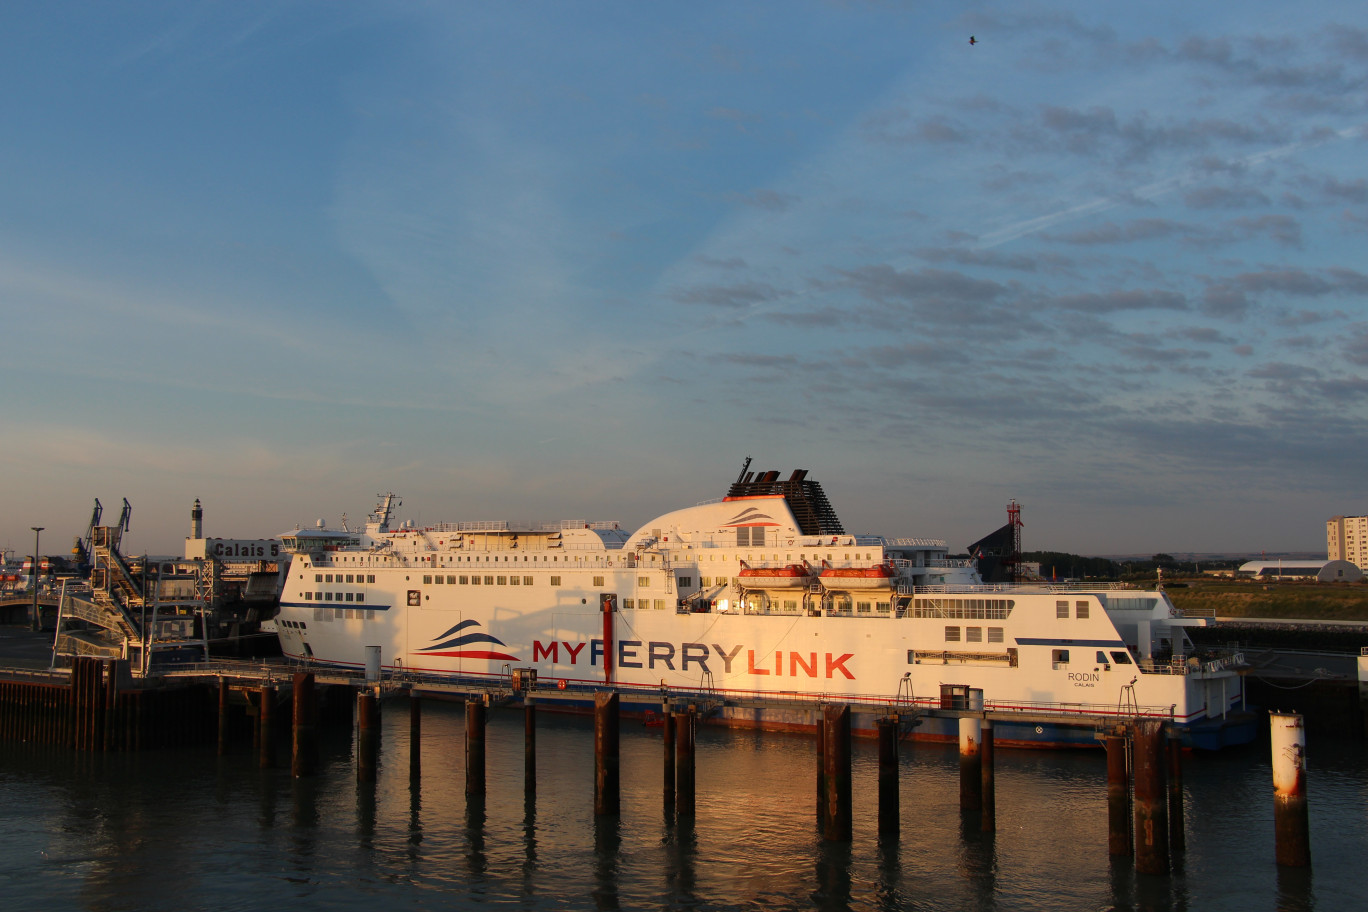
383	510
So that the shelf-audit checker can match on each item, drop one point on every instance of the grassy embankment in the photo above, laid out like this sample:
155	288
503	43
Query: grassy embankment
1302	600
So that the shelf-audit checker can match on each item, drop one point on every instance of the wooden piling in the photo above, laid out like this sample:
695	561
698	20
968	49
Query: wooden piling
303	725
222	716
1174	748
111	689
988	788
821	769
367	736
839	817
667	730
1151	799
971	764
684	763
415	736
889	810
607	767
529	746
475	749
1291	819
266	719
1118	795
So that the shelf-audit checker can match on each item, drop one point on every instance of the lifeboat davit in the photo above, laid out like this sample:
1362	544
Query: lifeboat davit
793	576
880	576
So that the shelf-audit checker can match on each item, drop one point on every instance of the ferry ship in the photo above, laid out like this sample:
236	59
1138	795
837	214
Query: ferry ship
760	604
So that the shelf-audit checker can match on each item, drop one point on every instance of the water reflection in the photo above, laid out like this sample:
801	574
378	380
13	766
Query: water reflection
607	849
415	822
1295	893
477	861
890	889
833	876
529	833
681	854
82	831
978	859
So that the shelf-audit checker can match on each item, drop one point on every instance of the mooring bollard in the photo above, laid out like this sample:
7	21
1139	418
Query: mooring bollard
1174	747
475	748
971	760
839	816
607	769
988	788
304	730
1118	795
888	778
1291	818
529	745
367	736
684	763
1151	799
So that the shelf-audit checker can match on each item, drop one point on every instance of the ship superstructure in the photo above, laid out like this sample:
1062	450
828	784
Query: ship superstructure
759	594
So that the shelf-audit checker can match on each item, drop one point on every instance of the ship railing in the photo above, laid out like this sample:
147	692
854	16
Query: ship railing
505	525
1096	710
914	542
1174	666
949	563
1195	613
772	609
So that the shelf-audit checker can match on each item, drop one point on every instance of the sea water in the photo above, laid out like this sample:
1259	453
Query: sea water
179	830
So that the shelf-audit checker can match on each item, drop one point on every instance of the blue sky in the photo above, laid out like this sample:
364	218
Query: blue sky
578	260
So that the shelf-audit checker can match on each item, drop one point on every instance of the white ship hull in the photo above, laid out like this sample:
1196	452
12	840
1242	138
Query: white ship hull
475	601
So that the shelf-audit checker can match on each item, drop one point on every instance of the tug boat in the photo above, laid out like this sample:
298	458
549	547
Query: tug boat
718	604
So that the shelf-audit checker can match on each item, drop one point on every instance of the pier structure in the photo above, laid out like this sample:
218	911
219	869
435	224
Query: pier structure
99	705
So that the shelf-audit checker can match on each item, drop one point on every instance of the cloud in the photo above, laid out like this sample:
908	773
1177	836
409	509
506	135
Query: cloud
989	258
898	127
1223	198
768	200
1123	233
1113	301
739	295
882	282
1282	229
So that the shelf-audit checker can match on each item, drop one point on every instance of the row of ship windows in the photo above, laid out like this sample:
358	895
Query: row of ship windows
344	614
462	579
362	578
867	557
1062	609
1060	657
334	596
973	634
969	609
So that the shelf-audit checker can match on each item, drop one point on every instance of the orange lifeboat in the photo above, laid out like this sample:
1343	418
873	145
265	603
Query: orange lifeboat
793	576
880	576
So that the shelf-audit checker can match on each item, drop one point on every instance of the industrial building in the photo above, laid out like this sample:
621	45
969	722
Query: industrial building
1326	571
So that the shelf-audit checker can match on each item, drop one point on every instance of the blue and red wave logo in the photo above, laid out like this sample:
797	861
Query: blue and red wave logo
453	644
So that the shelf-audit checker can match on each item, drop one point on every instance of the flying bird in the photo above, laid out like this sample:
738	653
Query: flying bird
973	40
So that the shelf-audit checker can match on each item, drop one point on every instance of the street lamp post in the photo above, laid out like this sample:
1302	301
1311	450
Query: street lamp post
37	532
